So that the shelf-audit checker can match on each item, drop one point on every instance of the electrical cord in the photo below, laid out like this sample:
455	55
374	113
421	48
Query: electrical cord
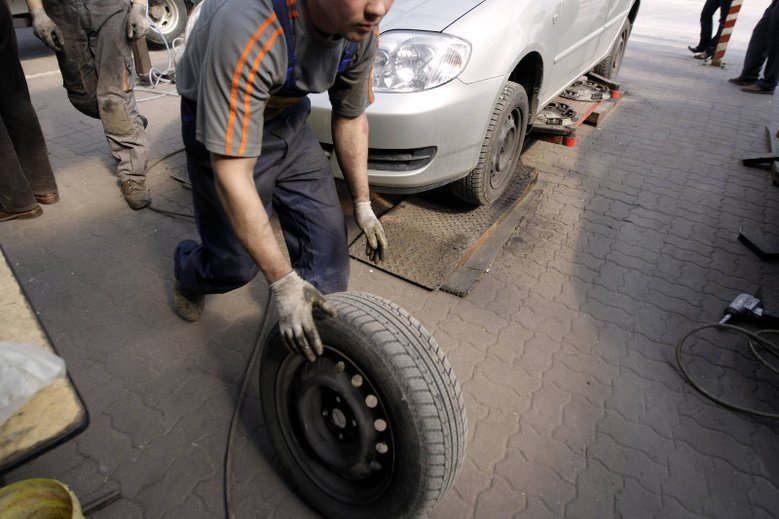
250	365
755	338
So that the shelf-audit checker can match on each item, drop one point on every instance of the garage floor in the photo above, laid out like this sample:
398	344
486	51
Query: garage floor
565	348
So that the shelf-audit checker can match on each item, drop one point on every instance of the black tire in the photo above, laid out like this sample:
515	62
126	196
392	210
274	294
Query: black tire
609	67
500	149
376	426
170	17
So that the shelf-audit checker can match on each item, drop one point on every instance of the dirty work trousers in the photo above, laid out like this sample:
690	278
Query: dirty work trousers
708	43
764	48
294	180
96	65
24	161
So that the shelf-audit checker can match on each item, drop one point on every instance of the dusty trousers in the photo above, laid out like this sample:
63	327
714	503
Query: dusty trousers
96	65
24	162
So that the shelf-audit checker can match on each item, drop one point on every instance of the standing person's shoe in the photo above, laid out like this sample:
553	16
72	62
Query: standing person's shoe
741	81
35	212
136	194
695	50
48	198
702	56
758	89
188	306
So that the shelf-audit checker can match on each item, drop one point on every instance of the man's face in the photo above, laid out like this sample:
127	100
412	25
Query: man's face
352	19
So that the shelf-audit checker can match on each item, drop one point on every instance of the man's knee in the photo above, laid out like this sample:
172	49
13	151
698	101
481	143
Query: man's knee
115	116
86	103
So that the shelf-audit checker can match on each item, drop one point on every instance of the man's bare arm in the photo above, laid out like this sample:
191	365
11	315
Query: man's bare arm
234	178
350	140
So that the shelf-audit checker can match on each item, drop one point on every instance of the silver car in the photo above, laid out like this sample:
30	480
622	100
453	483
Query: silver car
458	83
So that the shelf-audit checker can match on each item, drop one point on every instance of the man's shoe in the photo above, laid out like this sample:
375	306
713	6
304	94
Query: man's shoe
694	50
188	306
757	89
741	81
136	194
48	198
20	215
702	56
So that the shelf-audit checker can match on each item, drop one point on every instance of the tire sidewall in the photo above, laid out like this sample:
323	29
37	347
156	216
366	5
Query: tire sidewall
406	487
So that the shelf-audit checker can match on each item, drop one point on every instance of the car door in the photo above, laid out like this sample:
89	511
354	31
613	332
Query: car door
580	26
616	14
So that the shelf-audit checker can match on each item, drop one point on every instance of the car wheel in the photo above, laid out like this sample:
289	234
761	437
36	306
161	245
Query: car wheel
609	67
376	426
500	150
170	19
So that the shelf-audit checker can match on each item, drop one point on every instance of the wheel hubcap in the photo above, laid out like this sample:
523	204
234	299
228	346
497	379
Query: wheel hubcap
163	16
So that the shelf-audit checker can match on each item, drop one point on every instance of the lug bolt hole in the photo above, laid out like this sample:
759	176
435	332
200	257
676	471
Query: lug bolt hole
371	401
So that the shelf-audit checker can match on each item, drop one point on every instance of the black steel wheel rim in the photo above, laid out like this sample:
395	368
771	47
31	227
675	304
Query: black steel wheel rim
336	426
507	149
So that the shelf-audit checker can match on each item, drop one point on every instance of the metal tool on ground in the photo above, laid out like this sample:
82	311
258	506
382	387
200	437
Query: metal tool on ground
760	243
770	159
746	306
763	371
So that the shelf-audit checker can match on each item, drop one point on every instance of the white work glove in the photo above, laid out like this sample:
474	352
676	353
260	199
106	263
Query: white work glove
46	30
376	246
295	302
137	23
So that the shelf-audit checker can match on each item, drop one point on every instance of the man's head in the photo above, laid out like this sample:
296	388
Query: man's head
352	19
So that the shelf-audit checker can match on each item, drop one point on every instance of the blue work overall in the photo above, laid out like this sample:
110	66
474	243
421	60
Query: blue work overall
294	180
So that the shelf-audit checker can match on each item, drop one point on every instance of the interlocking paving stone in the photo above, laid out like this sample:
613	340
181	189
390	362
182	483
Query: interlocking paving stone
565	349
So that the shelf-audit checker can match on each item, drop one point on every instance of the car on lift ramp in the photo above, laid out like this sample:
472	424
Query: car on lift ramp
458	83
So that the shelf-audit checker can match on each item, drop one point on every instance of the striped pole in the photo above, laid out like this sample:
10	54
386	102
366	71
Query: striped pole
724	38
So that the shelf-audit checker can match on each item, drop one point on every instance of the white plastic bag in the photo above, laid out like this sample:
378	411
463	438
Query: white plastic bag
25	369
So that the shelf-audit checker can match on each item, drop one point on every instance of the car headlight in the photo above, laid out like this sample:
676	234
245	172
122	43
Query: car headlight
409	61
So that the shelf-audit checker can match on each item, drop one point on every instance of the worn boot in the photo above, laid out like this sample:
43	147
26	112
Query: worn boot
136	194
188	306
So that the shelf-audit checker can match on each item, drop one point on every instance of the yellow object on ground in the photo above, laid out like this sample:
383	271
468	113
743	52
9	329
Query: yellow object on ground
38	499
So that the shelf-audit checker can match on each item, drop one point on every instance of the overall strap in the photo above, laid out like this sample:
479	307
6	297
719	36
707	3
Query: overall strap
347	57
283	14
289	89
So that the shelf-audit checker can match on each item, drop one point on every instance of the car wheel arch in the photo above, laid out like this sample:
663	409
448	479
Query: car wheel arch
529	72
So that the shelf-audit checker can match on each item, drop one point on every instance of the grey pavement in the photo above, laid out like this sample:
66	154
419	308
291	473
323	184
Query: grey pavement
565	349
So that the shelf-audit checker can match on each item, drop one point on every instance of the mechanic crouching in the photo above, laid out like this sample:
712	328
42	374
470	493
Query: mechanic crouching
93	41
243	77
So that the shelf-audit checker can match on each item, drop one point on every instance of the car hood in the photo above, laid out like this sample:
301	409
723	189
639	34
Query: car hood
426	15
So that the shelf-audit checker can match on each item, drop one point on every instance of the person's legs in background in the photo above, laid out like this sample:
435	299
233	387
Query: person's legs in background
707	14
724	9
26	177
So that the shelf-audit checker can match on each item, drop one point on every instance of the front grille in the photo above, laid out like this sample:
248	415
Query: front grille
395	160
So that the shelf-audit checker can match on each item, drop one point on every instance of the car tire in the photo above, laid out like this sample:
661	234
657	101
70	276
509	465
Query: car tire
376	427
609	67
500	149
170	18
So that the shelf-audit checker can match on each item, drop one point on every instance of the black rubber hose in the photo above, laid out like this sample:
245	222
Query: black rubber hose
754	340
227	463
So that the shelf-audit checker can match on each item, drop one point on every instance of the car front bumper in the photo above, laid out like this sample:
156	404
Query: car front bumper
419	140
